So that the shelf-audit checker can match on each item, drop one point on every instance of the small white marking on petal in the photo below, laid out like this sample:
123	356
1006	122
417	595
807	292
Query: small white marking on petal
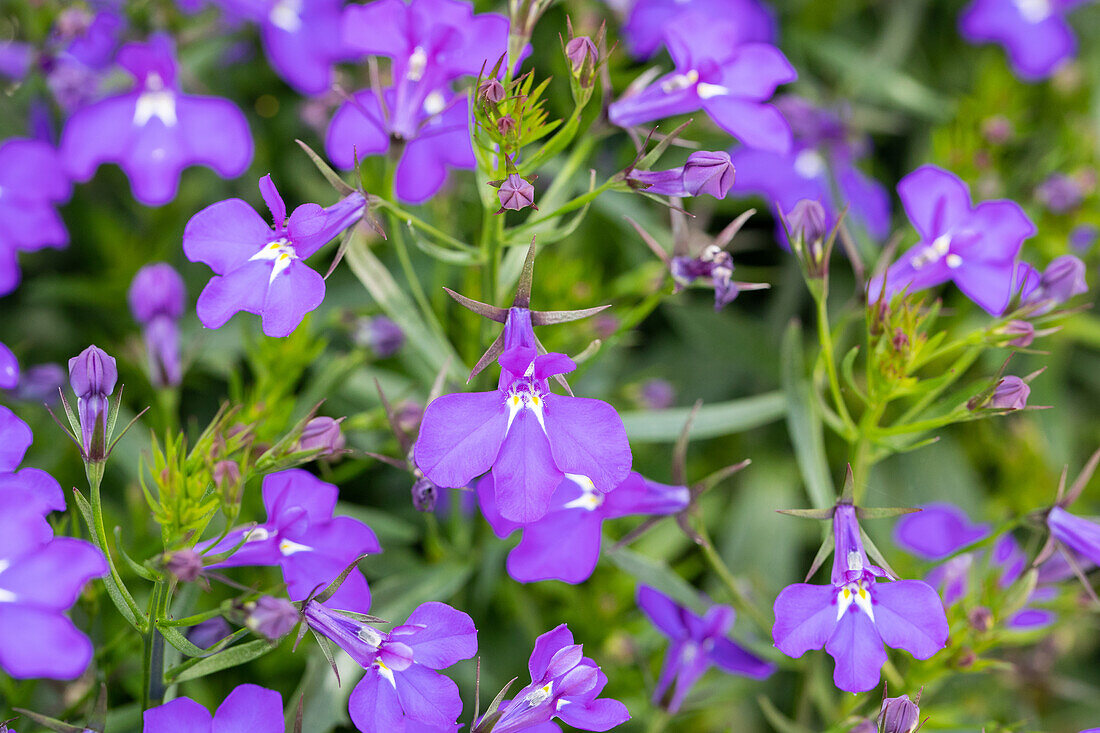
257	534
953	260
369	635
290	547
159	103
385	672
539	696
809	164
418	61
6	596
434	103
843	599
862	599
706	91
680	82
286	14
1034	11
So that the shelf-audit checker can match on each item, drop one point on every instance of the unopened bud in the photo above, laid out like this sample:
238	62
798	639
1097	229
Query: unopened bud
491	91
1023	333
322	433
93	375
424	495
1010	394
227	474
381	335
185	564
580	50
272	617
806	221
980	619
898	715
506	125
516	193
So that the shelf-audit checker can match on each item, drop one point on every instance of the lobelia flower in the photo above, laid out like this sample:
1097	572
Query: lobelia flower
271	617
38	383
32	183
34	487
645	26
515	193
381	335
1083	237
714	263
566	685
1035	33
973	246
155	130
157	297
732	82
820	166
1059	193
529	437
80	50
9	368
565	543
697	643
402	689
1078	534
247	709
1062	279
1011	393
302	537
704	173
36	638
855	615
92	375
261	270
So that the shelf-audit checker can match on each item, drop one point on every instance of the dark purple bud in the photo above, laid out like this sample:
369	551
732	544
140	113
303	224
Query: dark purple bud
185	564
424	494
516	193
1010	394
322	433
581	50
657	394
491	91
506	125
898	715
209	632
92	375
157	290
1059	193
1022	333
272	617
1083	237
1063	279
707	172
40	383
900	342
980	619
381	335
806	221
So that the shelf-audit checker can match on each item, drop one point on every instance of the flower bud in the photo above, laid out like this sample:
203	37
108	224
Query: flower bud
898	715
424	494
227	474
185	564
271	617
491	91
1010	394
209	632
506	125
40	383
92	375
707	172
1023	333
1083	237
322	433
581	50
1063	279
516	193
408	415
980	619
157	290
806	221
381	335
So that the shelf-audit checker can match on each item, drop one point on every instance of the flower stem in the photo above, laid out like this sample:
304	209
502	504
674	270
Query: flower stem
740	600
410	219
94	471
826	337
659	721
152	688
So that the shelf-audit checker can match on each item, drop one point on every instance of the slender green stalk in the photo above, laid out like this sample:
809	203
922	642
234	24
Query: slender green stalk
94	472
411	219
572	205
152	668
740	600
659	721
826	337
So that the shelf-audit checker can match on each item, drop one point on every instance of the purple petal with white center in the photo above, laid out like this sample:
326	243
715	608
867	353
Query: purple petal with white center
909	615
447	635
564	545
427	696
598	715
1036	46
805	616
937	530
38	642
250	709
903	275
373	704
67	563
755	124
654	102
226	234
856	650
666	614
181	714
524	473
587	437
688	663
293	293
460	437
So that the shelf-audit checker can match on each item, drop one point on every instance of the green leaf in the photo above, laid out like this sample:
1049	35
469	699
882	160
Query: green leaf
395	596
654	573
722	418
231	657
804	421
778	720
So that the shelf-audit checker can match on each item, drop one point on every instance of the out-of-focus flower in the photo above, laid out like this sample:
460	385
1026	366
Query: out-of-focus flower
1079	535
1011	393
38	383
323	433
185	564
1035	33
425	494
898	715
41	576
155	130
697	643
303	538
35	488
855	615
1059	193
1062	279
92	375
1023	332
247	709
262	270
704	173
271	617
32	183
973	246
657	394
157	298
644	30
527	436
806	222
209	632
401	686
565	543
381	335
997	129
566	685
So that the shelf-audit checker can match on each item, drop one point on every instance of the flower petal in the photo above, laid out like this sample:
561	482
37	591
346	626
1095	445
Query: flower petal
446	636
15	438
524	473
373	704
546	646
564	545
242	289
805	616
754	124
226	234
934	199
460	437
52	577
250	709
909	615
598	715
730	657
37	642
427	696
181	714
665	613
857	650
587	437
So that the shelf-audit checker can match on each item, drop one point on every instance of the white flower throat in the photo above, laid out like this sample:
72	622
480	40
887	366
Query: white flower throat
281	251
155	101
939	249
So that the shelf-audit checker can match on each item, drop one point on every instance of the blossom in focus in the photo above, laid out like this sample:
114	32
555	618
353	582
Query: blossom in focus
565	685
324	434
41	576
899	715
697	643
157	297
820	166
1011	393
402	689
855	615
32	183
92	375
704	172
154	131
529	437
565	543
731	82
262	270
301	536
1034	33
750	20
247	709
973	246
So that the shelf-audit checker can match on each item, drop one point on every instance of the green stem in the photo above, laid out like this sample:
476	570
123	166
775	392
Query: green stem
826	337
413	220
658	722
94	472
152	688
955	371
573	205
740	600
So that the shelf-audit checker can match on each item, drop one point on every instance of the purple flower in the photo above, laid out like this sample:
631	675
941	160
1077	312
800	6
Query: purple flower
41	576
157	296
92	375
899	715
155	130
384	337
565	543
209	632
9	368
301	38
1011	393
855	615
16	59
323	433
566	685
644	29
697	643
262	270
1059	193
34	488
425	494
302	537
401	685
515	193
248	709
1063	278
527	436
730	81
974	246
703	173
1079	535
32	183
714	264
1034	32
38	383
657	394
185	564
272	617
1083	237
